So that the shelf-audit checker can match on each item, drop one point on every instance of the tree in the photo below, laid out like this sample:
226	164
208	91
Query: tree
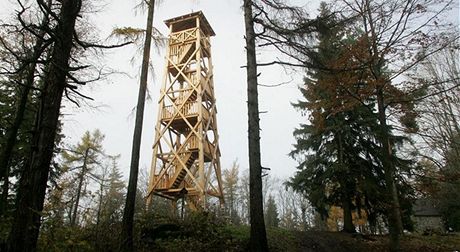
440	130
396	37
99	212
271	213
384	39
328	135
230	184
244	197
84	158
54	223
258	239
449	193
31	194
336	149
141	209
110	205
439	112
128	214
18	153
58	78
342	144
294	211
113	199
23	76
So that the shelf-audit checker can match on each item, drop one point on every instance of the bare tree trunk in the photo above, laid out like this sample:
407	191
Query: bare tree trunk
81	178
128	214
347	215
394	214
258	240
99	244
346	201
99	204
32	184
393	211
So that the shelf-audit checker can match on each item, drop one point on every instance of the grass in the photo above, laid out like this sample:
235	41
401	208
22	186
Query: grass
204	232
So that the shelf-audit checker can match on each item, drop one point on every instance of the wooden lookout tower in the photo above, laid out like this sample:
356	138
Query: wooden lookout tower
186	155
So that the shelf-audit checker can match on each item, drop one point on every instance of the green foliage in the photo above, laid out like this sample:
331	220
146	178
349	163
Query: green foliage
82	160
339	150
282	240
271	213
84	169
331	149
449	194
65	238
5	225
128	33
9	99
89	146
112	196
198	232
239	233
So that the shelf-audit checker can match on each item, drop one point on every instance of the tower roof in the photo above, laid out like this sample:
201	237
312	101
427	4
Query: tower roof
187	21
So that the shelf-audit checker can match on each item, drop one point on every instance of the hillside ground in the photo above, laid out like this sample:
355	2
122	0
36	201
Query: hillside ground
211	236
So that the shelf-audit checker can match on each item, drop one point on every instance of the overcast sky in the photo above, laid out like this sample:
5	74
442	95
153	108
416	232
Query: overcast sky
117	97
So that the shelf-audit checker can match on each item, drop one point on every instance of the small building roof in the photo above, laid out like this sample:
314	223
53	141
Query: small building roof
425	207
187	21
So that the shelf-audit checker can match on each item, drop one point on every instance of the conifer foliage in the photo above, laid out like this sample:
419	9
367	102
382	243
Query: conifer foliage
332	149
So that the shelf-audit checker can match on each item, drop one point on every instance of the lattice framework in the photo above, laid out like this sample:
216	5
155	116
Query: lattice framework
186	155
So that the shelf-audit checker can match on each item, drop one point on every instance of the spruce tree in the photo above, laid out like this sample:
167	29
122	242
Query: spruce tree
339	151
271	213
329	166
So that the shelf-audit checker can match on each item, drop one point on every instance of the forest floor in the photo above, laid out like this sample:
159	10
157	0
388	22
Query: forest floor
236	238
338	241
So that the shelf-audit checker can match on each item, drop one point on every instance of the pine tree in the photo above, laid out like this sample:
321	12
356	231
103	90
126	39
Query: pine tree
271	213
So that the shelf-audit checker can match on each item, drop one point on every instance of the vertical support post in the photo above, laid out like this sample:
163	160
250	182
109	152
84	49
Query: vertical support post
200	109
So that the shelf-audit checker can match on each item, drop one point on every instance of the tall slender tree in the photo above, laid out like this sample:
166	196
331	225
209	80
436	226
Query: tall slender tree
128	214
258	239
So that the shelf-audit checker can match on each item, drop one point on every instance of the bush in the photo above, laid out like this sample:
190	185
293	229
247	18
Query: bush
198	232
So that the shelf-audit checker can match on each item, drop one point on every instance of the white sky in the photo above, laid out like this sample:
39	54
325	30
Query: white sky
118	96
